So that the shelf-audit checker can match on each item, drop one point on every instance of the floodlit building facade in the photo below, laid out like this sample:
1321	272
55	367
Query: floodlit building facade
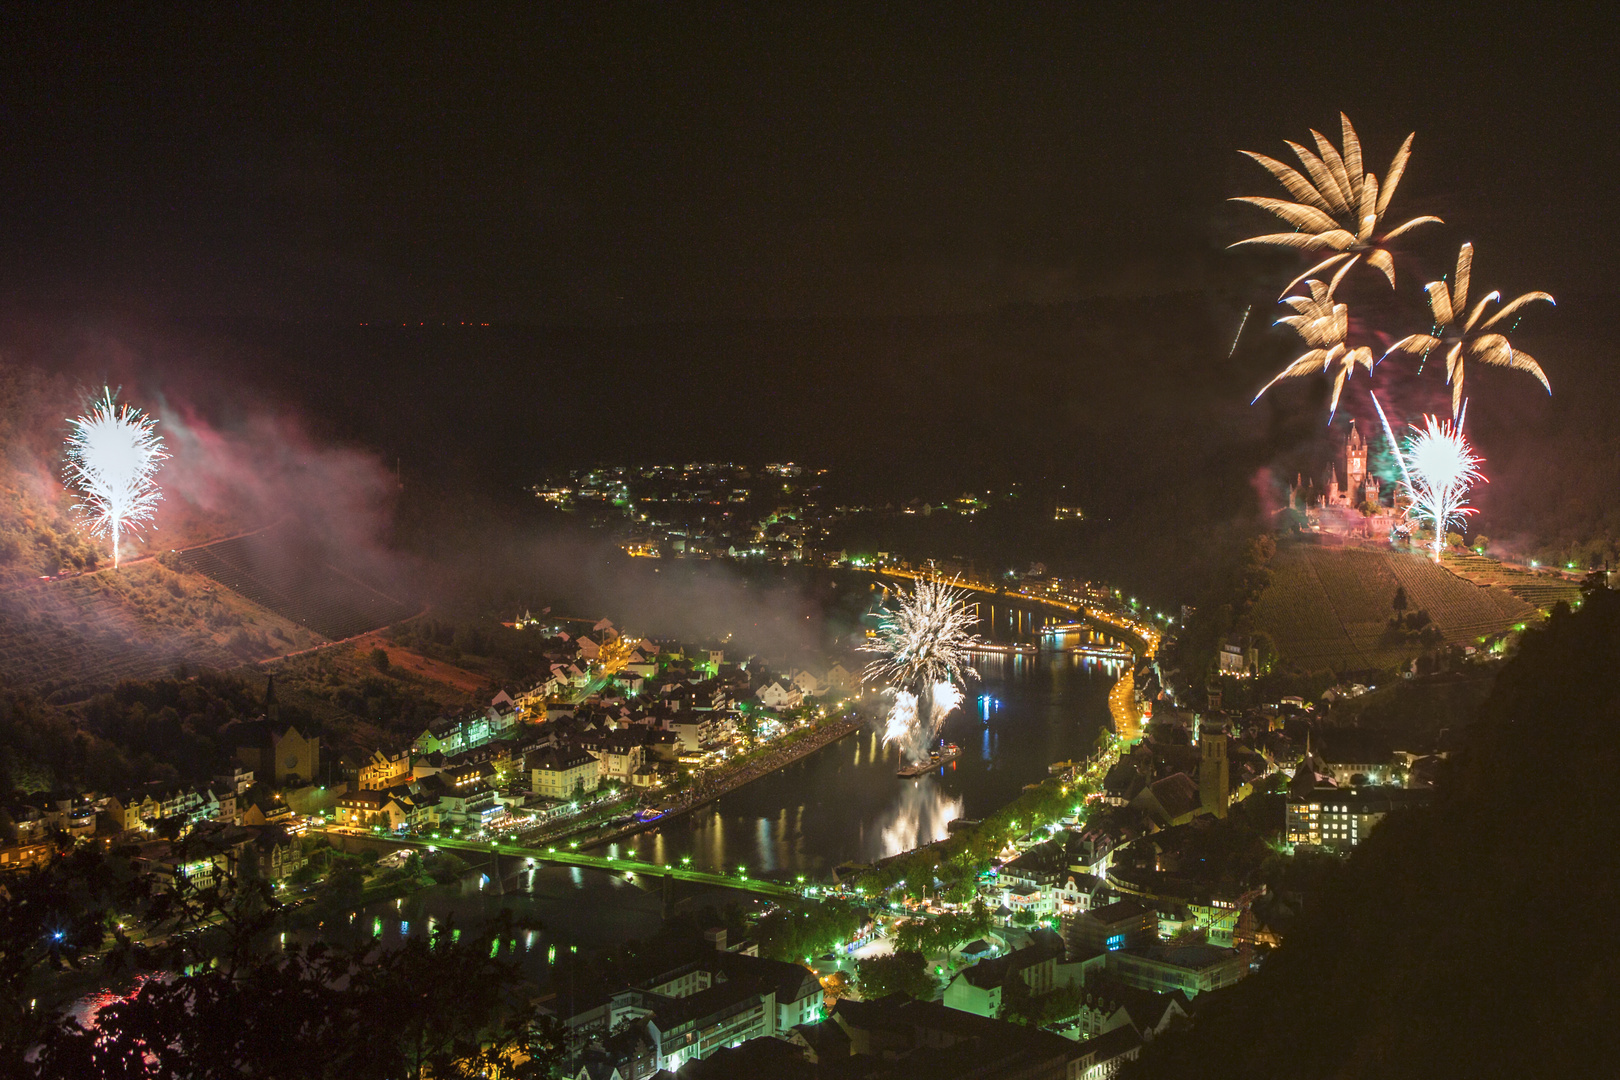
558	772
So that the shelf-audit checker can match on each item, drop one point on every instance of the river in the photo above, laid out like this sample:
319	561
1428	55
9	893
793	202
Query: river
844	803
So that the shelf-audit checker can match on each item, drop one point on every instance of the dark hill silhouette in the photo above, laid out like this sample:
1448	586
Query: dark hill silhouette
1473	938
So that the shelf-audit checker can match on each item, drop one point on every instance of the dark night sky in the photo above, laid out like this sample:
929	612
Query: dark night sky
611	162
698	232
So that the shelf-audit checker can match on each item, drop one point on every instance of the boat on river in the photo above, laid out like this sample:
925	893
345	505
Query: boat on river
1102	652
947	752
1006	650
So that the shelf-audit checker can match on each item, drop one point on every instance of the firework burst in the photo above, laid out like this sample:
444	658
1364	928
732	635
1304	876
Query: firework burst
1323	324
1338	208
1439	468
1464	337
922	646
112	453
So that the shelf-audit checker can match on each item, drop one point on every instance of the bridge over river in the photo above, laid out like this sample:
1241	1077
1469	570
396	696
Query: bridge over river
1143	636
628	867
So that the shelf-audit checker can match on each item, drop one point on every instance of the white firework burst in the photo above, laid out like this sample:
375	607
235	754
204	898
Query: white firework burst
923	644
925	638
1441	466
112	453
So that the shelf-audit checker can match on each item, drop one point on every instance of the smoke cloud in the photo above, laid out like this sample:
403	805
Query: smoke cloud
778	612
266	469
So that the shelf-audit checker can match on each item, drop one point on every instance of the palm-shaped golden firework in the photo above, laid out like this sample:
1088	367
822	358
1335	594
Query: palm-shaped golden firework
1339	207
1324	325
1468	338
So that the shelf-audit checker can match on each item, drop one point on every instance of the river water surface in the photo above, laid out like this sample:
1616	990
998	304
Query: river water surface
844	802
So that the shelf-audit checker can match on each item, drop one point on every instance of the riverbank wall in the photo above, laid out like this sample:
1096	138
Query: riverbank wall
825	735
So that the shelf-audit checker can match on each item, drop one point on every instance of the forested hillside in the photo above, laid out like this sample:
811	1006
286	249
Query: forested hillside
1470	938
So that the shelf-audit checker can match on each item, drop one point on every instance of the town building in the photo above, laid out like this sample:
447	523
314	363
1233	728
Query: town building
14	857
1124	924
382	771
1173	800
360	809
980	988
279	754
924	1039
774	695
719	1000
261	806
562	773
1102	1057
235	775
1214	781
277	856
1338	819
1191	969
173	808
469	803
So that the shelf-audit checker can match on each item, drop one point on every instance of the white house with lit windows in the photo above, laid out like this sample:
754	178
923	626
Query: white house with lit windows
559	772
1338	819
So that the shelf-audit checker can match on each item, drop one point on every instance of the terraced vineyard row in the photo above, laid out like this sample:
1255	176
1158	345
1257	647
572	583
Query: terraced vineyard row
1462	610
1361	583
1298	614
304	591
1539	591
1330	607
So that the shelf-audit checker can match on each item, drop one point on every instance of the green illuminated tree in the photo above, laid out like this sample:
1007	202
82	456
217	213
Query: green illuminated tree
897	973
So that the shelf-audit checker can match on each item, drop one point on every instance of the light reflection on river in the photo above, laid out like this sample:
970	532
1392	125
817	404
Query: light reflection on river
844	802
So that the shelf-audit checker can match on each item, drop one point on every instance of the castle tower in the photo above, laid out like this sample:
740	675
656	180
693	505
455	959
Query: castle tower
1355	462
1214	781
1332	496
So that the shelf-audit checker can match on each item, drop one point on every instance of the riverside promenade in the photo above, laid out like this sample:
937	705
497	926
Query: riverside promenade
712	787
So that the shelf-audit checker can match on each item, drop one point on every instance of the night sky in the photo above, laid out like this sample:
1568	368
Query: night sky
988	245
658	162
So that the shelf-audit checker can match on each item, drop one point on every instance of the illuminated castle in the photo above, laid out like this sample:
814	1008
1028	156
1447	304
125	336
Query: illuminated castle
1346	482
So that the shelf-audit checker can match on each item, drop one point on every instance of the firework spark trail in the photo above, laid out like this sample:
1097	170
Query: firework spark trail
1237	336
1339	208
1442	467
945	699
902	719
925	639
112	454
923	646
1390	435
1458	326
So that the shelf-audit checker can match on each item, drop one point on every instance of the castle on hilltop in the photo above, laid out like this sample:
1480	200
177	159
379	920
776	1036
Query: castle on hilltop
1335	504
1345	482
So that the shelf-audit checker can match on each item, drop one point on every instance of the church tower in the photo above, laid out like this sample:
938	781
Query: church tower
1214	780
